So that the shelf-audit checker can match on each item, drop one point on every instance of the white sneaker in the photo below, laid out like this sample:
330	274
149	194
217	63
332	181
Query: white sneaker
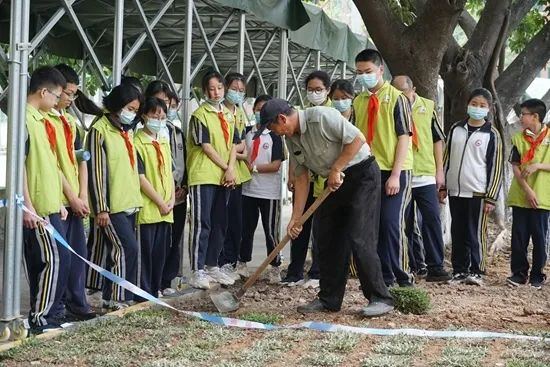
296	284
168	292
219	277
199	280
242	270
474	279
230	271
311	283
274	275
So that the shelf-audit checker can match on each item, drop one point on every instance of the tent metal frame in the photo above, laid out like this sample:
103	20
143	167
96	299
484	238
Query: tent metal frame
232	41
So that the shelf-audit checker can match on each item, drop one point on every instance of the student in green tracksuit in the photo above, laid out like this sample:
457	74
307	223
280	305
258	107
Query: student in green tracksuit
75	189
211	172
383	114
529	196
234	98
157	190
114	190
47	263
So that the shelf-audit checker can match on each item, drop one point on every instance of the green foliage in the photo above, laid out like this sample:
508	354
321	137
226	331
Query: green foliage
526	30
411	300
405	10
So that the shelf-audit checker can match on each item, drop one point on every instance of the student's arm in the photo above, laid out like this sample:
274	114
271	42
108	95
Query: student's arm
301	192
402	117
29	221
77	205
530	194
149	190
242	153
494	170
82	174
534	167
438	137
98	174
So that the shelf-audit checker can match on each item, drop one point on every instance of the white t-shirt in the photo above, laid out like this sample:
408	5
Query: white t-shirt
264	185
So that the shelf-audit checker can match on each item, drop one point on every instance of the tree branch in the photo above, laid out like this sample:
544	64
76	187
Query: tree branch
546	99
513	82
467	23
383	25
485	34
520	8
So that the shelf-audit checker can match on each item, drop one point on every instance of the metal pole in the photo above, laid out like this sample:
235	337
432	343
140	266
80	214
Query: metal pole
295	81
256	64
137	44
186	73
23	82
117	42
344	70
304	65
199	64
263	53
12	162
39	37
283	71
205	39
240	51
334	69
318	60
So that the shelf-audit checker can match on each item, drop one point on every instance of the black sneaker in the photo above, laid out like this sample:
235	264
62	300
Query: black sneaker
40	329
421	273
538	283
474	279
314	306
458	278
438	275
516	280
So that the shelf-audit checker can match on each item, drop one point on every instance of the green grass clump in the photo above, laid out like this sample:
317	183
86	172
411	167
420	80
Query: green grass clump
411	300
261	317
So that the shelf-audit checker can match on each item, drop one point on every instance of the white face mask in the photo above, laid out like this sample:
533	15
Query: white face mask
316	98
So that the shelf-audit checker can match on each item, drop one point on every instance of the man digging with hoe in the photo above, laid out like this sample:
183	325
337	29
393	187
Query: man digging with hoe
322	141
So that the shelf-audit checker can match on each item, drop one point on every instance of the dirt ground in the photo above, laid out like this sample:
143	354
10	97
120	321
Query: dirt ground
493	307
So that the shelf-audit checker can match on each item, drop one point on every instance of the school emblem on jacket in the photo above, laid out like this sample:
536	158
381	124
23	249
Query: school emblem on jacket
546	141
180	146
386	98
478	143
265	146
421	109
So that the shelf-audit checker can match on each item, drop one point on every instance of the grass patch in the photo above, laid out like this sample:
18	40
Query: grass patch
261	317
383	360
339	342
411	300
462	355
323	359
399	346
526	363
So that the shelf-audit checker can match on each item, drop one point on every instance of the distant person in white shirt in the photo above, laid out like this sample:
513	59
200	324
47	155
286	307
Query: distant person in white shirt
262	194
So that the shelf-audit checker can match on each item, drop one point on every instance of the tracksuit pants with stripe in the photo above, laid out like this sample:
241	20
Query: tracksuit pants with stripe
426	248
528	224
392	239
48	266
233	236
270	213
154	240
75	296
209	211
348	224
116	245
468	234
173	263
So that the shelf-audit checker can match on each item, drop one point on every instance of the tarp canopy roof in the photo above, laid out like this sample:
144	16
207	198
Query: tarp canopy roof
309	27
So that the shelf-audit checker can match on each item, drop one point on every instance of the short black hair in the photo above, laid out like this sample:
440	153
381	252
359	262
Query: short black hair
120	96
535	105
46	77
321	75
157	86
371	55
231	77
69	73
152	104
133	81
485	93
211	75
261	98
173	96
344	85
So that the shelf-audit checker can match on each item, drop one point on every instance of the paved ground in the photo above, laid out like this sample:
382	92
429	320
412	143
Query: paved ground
258	256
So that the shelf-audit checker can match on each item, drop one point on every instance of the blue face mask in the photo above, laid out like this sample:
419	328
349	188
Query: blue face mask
127	117
172	114
234	97
154	125
257	116
477	113
368	81
342	105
